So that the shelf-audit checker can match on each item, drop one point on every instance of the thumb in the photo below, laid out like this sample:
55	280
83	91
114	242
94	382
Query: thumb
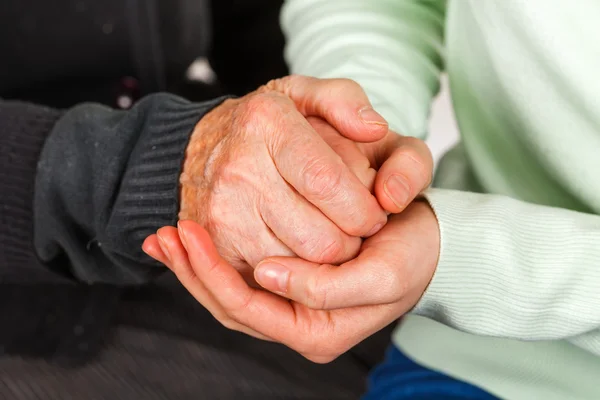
369	279
404	174
341	102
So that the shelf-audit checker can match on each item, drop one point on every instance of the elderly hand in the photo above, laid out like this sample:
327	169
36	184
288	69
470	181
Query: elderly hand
330	308
396	168
263	182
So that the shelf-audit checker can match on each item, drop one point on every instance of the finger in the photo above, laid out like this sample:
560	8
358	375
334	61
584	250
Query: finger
350	153
405	174
305	230
366	280
263	312
341	102
151	247
379	275
179	264
307	163
318	335
257	240
378	152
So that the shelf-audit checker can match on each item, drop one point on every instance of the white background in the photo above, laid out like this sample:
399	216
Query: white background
442	126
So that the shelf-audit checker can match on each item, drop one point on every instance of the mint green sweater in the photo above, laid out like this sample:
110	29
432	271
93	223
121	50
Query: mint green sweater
514	306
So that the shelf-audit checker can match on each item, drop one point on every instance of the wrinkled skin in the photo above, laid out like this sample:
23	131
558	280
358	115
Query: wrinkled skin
290	170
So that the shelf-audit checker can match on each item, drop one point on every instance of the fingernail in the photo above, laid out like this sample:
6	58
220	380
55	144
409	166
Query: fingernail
182	235
163	246
370	116
375	229
273	277
397	190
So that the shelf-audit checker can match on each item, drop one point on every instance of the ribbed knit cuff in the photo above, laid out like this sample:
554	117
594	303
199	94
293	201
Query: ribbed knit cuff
509	268
149	195
460	288
23	130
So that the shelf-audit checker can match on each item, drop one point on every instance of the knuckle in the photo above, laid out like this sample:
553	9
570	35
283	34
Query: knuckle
329	252
255	109
394	285
410	150
361	224
238	306
228	323
274	84
314	297
341	87
419	150
243	304
288	81
344	83
363	164
185	274
299	78
315	292
288	84
328	246
422	164
322	179
258	104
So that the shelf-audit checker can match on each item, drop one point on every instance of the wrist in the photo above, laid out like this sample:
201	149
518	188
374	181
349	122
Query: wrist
198	159
430	242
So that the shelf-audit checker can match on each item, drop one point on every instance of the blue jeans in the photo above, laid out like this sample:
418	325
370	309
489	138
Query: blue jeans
399	378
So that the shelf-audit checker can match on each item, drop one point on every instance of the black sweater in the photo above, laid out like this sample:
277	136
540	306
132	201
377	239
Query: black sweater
81	187
80	192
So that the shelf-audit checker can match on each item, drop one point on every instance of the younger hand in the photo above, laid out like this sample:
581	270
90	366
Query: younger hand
330	309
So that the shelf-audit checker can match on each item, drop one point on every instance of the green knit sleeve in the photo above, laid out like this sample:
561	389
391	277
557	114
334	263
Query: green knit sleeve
394	49
517	270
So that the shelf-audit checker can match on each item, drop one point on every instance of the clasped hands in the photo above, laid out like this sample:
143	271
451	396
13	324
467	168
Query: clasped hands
284	231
